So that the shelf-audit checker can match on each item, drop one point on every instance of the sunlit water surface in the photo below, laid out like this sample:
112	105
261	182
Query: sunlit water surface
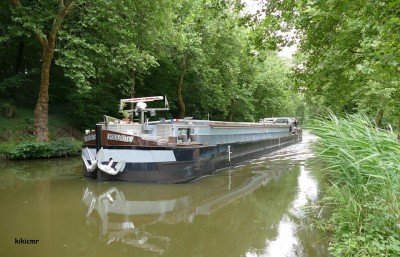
255	209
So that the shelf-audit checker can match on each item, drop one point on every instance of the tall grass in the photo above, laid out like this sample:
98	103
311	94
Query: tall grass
364	190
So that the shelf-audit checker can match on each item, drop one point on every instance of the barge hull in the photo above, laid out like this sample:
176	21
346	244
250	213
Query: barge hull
181	164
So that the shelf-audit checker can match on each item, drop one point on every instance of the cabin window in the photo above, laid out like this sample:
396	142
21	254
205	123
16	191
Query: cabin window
183	135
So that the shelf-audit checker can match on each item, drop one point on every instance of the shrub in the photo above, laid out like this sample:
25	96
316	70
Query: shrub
30	150
8	110
57	148
65	147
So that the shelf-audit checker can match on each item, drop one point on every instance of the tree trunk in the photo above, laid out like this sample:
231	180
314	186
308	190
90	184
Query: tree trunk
42	106
378	118
182	111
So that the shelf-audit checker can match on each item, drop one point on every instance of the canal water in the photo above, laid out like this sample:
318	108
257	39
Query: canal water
256	209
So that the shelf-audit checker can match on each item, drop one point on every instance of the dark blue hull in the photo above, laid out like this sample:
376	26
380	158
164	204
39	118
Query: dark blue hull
188	162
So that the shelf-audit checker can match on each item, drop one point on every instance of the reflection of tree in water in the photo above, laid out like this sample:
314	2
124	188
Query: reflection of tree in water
36	170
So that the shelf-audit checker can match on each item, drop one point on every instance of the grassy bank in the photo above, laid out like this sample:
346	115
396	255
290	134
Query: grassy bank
362	197
17	140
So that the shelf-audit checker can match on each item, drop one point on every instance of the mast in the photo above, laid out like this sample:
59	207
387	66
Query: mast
141	106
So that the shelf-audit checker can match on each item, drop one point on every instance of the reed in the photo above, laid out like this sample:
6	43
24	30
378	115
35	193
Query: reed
364	186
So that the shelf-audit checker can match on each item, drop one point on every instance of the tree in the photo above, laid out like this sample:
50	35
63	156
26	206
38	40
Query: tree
186	54
204	55
110	47
274	94
34	17
209	59
348	50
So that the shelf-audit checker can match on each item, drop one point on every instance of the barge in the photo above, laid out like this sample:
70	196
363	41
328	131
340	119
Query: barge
175	150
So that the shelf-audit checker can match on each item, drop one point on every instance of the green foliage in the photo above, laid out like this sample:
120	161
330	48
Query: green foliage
65	147
348	53
108	50
106	43
364	192
30	150
56	148
273	95
12	82
86	108
8	110
224	76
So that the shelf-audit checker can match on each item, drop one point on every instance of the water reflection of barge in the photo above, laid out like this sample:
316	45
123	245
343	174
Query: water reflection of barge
175	151
126	213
